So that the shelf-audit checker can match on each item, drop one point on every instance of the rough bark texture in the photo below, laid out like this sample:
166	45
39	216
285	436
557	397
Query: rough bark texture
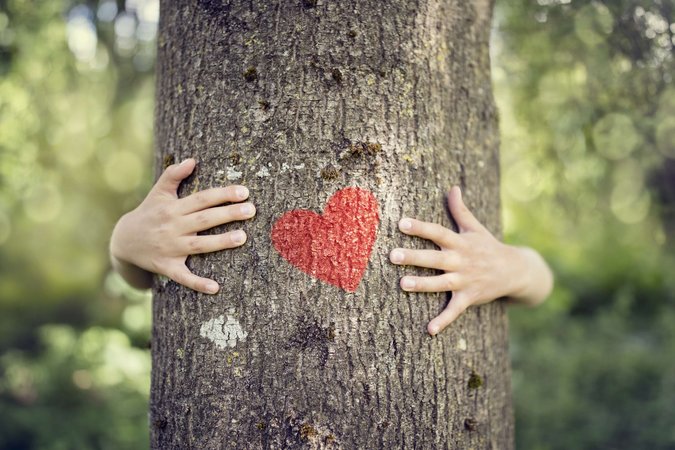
296	100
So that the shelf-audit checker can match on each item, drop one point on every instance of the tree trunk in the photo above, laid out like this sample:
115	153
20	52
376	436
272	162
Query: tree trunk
385	103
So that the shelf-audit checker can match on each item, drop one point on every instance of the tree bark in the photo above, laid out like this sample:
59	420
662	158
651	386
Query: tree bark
298	100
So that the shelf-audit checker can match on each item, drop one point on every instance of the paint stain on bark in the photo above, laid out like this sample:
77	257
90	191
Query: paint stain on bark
334	246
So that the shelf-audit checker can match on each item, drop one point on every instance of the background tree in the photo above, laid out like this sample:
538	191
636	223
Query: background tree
298	100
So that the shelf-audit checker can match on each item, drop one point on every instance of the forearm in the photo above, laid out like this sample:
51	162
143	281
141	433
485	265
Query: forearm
535	279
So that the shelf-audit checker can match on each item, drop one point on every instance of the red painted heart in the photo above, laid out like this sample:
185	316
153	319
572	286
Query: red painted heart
333	247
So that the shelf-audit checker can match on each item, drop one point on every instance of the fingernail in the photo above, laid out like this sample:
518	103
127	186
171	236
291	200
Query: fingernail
405	224
241	192
396	256
212	287
185	161
247	209
407	283
238	237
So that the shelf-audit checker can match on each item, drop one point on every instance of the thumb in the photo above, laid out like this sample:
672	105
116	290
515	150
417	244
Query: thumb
172	176
452	311
182	275
463	217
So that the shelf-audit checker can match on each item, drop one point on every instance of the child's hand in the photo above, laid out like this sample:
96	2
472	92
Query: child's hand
478	268
161	232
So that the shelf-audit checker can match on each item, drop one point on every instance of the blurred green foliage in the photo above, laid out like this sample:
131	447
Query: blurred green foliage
587	107
76	106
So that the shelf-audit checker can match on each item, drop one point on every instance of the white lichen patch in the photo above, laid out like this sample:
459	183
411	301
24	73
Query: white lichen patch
263	172
285	167
232	174
461	344
223	333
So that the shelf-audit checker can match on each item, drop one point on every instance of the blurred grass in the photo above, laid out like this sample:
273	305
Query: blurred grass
586	100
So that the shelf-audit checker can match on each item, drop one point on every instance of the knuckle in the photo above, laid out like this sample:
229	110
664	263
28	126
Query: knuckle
201	197
229	192
164	213
462	244
232	212
202	219
177	276
449	263
418	228
195	244
157	247
225	194
227	240
443	261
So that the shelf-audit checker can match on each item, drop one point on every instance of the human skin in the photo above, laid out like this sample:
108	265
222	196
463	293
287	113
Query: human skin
477	267
160	234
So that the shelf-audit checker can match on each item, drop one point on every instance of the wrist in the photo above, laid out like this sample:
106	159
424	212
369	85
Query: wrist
517	271
115	248
136	276
133	274
532	278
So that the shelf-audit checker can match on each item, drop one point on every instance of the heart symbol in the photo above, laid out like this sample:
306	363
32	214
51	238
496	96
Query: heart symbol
334	246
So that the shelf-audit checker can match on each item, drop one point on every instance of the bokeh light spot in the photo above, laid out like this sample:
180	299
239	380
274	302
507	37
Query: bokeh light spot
615	136
42	202
81	32
107	11
523	181
82	379
137	318
593	23
123	171
629	201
